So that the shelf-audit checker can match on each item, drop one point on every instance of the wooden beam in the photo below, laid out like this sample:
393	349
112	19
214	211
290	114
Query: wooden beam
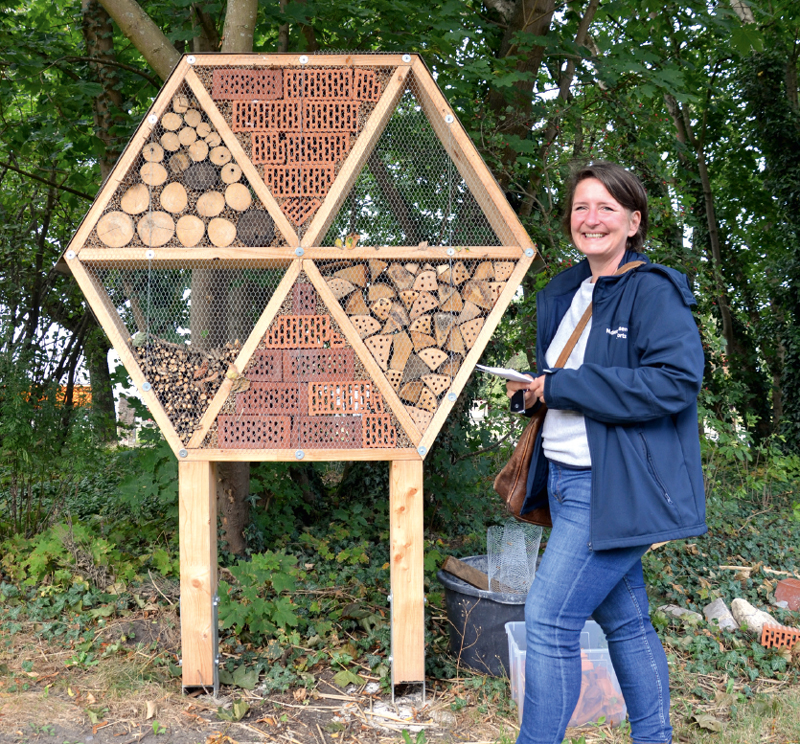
466	572
406	540
310	455
131	152
228	258
353	165
197	522
471	359
363	353
466	158
111	323
240	157
273	306
292	59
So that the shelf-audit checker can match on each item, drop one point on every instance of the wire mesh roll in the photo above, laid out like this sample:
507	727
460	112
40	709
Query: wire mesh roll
512	549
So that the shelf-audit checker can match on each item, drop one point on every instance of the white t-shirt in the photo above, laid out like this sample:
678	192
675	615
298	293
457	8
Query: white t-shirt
564	432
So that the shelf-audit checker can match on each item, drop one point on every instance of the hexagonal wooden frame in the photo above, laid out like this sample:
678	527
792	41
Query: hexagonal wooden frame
197	464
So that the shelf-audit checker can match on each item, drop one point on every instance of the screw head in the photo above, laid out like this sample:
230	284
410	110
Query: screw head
147	387
299	251
71	254
451	397
150	254
406	58
449	119
299	454
451	251
422	450
191	59
303	59
152	119
183	453
529	252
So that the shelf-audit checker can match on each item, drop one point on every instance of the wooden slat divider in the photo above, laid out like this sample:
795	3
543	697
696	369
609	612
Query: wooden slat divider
363	353
117	333
131	152
475	352
466	158
292	59
312	455
353	165
249	347
248	169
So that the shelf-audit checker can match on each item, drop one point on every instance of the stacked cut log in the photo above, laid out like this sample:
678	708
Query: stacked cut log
184	380
186	183
419	320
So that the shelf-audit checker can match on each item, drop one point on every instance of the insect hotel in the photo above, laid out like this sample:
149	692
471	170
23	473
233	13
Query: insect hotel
299	258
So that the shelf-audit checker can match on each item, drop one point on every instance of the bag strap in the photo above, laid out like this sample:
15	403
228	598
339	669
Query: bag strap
578	330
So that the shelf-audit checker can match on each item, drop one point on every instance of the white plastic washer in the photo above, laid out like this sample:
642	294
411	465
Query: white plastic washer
451	251
298	251
191	59
152	119
406	58
150	254
303	59
422	450
449	119
147	387
529	252
183	453
451	397
299	454
70	254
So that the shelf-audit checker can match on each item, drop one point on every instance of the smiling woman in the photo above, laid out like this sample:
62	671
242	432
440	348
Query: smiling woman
618	457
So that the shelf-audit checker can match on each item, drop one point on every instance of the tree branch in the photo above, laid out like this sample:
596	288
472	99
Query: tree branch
58	186
112	63
157	50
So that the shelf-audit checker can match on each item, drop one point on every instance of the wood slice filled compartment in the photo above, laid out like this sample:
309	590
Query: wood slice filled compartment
185	190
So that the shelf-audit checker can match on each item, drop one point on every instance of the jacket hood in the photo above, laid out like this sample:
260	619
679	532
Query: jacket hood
570	279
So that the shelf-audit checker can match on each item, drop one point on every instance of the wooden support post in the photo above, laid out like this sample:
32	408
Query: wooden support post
198	546
407	580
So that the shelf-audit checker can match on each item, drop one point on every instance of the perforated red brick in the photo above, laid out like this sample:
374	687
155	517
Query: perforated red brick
299	209
775	637
330	116
332	432
264	116
254	432
277	398
351	396
328	148
304	299
268	147
325	84
366	86
336	340
265	366
298	332
246	85
295	180
317	365
378	431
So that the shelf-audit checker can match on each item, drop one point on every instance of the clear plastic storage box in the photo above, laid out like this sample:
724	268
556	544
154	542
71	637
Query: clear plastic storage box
600	692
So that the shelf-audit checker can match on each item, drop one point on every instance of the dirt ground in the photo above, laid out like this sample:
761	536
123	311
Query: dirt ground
44	698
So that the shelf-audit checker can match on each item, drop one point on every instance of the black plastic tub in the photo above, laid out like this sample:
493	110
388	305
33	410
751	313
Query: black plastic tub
478	621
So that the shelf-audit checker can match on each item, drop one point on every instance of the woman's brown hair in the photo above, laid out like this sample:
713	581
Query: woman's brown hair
626	188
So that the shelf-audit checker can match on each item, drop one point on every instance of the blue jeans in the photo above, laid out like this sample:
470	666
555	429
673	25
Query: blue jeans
573	583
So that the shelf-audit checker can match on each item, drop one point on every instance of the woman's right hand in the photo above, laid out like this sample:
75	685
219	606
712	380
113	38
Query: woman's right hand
530	397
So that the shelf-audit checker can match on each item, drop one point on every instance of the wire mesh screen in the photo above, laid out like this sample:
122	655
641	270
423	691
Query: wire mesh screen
296	124
186	326
305	387
410	191
512	551
185	189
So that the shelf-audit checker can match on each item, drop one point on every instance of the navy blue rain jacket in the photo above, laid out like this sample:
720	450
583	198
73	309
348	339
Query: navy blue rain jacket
637	389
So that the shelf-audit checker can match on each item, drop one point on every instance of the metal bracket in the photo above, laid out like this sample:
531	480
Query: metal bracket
215	640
